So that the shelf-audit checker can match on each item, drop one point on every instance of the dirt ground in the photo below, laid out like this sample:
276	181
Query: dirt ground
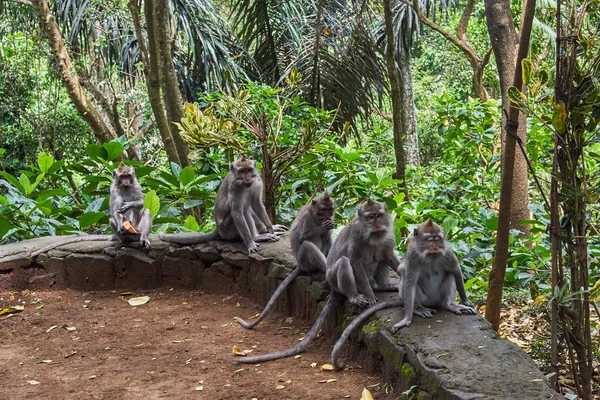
177	346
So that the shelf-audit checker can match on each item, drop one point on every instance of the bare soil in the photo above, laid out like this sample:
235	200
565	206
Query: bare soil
177	346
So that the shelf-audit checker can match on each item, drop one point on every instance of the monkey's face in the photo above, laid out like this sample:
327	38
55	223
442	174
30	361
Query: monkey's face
376	221
124	176
323	209
430	239
246	175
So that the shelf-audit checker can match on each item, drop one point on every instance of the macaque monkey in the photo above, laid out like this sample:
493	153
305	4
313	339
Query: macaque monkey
429	279
239	211
129	220
357	264
430	276
310	237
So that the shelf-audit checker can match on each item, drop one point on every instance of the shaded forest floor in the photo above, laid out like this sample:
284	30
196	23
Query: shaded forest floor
179	345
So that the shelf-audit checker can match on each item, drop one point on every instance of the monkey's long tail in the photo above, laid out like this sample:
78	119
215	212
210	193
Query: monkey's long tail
333	301
189	238
288	279
395	302
86	238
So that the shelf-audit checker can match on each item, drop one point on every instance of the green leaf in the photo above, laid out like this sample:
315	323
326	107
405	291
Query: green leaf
24	180
96	151
175	169
152	202
559	118
143	171
45	161
90	218
113	150
5	226
36	183
516	96
191	224
492	223
527	66
13	181
186	175
56	166
2	151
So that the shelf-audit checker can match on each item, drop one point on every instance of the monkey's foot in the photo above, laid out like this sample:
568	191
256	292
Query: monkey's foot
253	247
424	312
468	304
145	244
266	237
280	228
401	324
460	309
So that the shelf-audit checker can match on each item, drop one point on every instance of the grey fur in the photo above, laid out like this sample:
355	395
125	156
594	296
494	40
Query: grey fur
430	276
239	211
359	262
125	204
310	237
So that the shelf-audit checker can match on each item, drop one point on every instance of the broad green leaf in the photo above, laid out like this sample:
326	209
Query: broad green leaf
192	203
13	181
527	66
191	224
175	169
152	202
24	180
492	223
113	150
2	151
543	78
5	226
56	166
45	161
90	218
559	118
97	151
186	175
36	183
143	171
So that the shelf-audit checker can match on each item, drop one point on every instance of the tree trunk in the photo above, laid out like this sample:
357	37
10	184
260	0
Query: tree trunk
149	58
169	84
407	109
504	43
62	64
499	18
396	98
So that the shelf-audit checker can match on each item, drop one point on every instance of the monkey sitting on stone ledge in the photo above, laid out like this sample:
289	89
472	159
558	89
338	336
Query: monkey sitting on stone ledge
239	211
430	276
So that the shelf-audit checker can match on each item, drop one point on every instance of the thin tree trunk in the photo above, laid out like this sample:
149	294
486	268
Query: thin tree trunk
407	110
149	59
169	84
496	13
63	66
396	98
504	43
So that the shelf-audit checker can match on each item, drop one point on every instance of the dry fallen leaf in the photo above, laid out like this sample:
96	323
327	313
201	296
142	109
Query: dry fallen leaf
279	387
51	328
126	293
70	328
32	382
199	388
10	310
46	361
330	380
236	351
313	365
71	354
326	367
366	395
138	301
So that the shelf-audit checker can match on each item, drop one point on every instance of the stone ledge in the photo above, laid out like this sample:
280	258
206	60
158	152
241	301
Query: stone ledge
447	357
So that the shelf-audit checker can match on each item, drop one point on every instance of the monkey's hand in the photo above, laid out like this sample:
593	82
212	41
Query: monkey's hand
328	224
253	247
126	207
279	229
363	301
424	312
405	322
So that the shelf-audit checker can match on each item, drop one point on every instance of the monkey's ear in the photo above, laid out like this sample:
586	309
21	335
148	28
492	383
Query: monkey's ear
415	232
121	164
325	195
232	167
114	173
313	202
